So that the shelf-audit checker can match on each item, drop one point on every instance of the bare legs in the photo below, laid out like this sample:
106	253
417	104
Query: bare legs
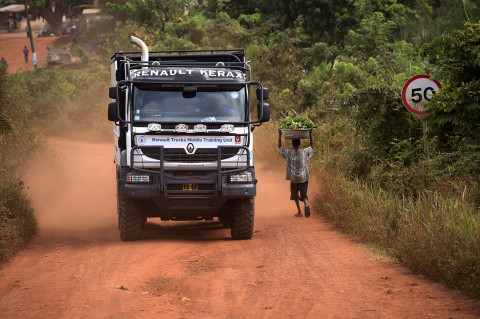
307	208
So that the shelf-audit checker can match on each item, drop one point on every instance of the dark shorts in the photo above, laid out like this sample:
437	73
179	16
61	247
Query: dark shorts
298	187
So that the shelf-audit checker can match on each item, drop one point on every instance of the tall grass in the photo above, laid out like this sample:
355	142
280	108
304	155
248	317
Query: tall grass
434	233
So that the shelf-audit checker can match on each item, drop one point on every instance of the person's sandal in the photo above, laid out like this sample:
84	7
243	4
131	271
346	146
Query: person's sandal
307	211
299	214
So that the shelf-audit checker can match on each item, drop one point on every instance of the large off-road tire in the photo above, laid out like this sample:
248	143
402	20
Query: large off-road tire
130	220
243	219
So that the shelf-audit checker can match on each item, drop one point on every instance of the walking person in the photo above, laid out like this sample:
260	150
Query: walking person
43	30
25	52
297	171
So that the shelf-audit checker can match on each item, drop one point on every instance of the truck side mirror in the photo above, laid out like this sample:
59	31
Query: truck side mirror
112	111
263	112
259	93
112	92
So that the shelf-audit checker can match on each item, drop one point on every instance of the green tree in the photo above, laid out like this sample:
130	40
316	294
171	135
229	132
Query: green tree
449	15
455	111
325	20
382	119
372	38
150	14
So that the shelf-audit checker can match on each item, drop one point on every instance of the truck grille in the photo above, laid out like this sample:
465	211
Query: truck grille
201	155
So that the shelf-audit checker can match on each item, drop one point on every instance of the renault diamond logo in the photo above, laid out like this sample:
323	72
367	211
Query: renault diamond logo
190	148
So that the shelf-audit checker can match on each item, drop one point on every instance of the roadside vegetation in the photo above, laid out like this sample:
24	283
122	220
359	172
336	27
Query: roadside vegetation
33	106
343	66
17	222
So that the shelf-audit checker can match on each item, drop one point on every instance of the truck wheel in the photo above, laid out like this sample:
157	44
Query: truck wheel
130	220
243	219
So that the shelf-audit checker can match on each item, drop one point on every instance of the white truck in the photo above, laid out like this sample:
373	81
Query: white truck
183	137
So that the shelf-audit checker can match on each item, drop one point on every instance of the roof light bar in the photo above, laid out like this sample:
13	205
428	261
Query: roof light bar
154	127
181	128
227	128
200	128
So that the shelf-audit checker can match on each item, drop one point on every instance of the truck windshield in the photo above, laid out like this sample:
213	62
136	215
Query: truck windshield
171	106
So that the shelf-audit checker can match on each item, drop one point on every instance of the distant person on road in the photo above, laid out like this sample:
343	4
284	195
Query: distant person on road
297	171
43	30
25	52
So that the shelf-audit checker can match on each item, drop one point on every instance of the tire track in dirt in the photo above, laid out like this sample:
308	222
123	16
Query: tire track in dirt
291	268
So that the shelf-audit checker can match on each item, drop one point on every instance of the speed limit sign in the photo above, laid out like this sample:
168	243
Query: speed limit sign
418	91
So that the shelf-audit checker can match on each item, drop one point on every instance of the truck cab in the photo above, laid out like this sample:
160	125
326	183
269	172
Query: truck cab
183	137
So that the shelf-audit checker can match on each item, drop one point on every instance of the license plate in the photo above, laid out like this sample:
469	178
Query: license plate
190	187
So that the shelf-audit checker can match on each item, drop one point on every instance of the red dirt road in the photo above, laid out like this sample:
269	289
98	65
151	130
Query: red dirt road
11	48
77	267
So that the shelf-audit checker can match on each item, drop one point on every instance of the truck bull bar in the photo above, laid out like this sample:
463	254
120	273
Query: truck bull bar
242	151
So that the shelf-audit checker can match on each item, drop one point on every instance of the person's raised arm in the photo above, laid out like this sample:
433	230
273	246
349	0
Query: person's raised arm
279	138
311	139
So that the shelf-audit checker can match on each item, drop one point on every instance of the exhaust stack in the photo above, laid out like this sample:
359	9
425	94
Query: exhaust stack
142	45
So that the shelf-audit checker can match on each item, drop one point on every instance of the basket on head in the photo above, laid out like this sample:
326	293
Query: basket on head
300	134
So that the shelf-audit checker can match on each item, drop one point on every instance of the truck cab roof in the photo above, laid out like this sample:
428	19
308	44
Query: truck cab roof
187	56
227	65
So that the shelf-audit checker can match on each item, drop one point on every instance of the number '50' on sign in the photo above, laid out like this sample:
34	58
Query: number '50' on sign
418	91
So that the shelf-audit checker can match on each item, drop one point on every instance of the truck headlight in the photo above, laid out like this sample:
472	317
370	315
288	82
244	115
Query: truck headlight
138	179
243	177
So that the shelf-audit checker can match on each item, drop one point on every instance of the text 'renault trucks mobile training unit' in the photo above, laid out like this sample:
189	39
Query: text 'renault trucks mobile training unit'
183	137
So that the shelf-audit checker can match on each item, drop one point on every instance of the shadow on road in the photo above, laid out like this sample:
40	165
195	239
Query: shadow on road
199	231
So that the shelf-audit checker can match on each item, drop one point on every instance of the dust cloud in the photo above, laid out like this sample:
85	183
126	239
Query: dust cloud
72	186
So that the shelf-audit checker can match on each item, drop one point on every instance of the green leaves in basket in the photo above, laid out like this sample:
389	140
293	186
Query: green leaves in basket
297	122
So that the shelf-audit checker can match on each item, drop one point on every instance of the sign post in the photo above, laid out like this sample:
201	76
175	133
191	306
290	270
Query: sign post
417	92
30	34
425	141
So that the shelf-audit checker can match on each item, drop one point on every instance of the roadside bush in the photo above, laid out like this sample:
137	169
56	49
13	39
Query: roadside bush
17	142
361	163
382	119
17	220
61	102
455	116
5	124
